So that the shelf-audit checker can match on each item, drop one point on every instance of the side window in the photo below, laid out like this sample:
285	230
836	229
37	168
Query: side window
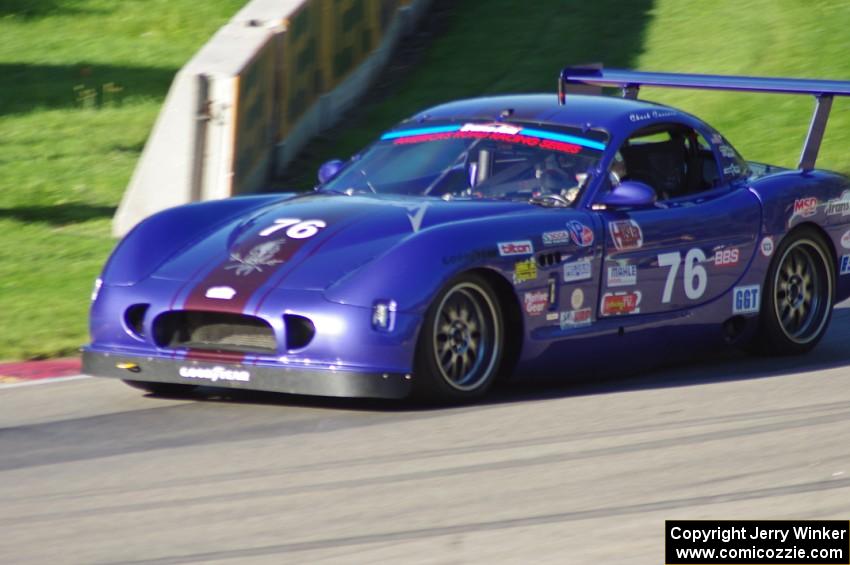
673	159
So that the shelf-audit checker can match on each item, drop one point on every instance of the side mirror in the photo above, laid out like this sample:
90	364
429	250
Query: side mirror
630	193
329	170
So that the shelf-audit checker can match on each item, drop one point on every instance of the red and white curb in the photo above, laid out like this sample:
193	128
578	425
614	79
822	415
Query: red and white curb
28	373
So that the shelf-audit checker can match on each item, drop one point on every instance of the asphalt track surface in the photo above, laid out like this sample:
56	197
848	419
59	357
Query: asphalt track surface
92	471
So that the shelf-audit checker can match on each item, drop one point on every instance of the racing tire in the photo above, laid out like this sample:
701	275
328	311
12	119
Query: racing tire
799	295
162	389
461	342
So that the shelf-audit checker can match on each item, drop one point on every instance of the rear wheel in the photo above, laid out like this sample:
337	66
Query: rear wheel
799	293
162	389
461	342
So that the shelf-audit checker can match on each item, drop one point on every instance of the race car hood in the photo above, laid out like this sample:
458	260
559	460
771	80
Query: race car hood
311	241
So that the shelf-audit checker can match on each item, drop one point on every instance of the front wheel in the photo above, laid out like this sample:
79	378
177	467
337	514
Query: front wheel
461	342
798	296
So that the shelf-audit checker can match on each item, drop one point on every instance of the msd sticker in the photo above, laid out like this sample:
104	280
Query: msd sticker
746	299
536	302
577	271
580	233
622	275
806	206
509	248
626	234
617	303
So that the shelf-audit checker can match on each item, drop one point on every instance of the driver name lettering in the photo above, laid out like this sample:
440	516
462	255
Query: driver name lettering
651	115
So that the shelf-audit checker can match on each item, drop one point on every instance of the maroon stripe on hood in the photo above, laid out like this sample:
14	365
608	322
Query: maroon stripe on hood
229	286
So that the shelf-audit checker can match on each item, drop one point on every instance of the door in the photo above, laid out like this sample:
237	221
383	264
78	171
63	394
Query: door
689	249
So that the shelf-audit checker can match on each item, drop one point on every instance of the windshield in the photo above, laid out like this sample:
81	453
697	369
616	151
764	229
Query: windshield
474	160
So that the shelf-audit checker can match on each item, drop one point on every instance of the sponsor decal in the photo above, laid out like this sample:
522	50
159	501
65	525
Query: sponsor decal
551	316
732	170
577	271
626	234
536	302
617	303
839	206
491	128
497	132
746	299
214	374
262	255
556	237
580	233
806	206
508	248
575	318
845	264
845	240
767	246
622	275
525	271
470	256
716	138
415	213
727	257
220	292
577	299
727	151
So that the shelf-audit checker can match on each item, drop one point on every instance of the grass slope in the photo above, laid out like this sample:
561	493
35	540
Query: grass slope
82	82
68	143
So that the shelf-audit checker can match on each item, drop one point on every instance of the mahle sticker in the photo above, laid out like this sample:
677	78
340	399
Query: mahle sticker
622	275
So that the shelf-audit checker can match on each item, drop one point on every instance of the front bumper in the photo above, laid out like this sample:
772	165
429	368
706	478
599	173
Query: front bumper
247	376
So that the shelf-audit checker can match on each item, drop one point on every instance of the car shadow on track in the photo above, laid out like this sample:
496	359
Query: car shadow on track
716	367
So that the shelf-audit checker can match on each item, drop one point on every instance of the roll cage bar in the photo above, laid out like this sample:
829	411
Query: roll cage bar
629	82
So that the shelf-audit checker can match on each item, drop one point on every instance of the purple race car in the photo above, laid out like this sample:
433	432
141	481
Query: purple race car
482	238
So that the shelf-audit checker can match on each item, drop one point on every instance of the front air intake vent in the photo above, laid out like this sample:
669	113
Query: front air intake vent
214	331
134	319
299	331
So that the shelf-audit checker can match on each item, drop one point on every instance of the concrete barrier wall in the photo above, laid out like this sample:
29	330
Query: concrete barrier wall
277	74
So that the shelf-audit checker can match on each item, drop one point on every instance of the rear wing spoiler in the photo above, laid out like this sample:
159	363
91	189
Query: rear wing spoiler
630	82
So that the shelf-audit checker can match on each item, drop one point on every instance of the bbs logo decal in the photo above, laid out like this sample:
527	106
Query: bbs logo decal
746	299
726	257
508	248
626	234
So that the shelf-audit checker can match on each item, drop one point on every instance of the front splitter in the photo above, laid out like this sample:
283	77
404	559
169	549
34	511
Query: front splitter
292	380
